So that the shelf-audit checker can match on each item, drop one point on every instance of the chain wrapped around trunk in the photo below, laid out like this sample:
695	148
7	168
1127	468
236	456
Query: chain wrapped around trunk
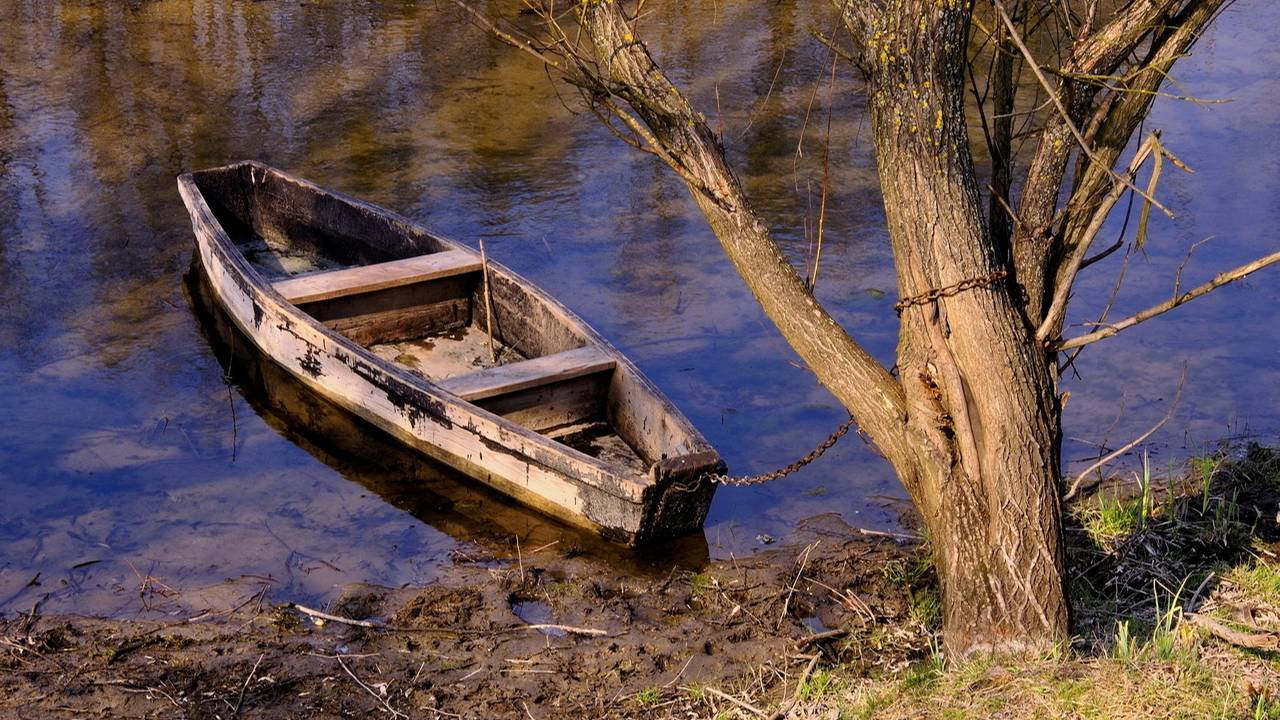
789	469
929	296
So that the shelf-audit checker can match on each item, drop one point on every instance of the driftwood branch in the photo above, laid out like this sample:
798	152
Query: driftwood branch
569	629
1222	631
337	618
1225	278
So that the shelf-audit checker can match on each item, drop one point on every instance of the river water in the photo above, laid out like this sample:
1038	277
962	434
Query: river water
125	456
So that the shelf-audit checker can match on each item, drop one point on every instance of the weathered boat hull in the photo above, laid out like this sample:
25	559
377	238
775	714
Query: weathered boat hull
671	499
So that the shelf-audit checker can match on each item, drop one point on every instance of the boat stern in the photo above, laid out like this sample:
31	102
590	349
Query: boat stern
679	496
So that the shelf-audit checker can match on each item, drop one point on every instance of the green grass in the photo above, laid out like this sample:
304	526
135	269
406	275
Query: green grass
911	572
1116	517
1203	470
703	583
1266	708
696	691
822	682
1097	689
648	696
1257	578
1113	518
1138	561
1148	555
925	609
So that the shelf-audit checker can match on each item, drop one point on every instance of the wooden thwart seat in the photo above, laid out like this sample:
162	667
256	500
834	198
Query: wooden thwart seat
370	278
526	374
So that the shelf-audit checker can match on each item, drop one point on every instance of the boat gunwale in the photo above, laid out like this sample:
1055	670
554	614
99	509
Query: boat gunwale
639	482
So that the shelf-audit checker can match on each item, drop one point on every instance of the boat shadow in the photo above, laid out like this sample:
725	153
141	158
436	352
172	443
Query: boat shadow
430	491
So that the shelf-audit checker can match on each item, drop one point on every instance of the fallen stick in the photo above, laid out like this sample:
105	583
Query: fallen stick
336	618
819	637
740	703
235	713
1222	631
795	698
394	712
591	632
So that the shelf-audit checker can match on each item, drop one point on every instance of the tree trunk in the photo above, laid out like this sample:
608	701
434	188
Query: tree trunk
979	393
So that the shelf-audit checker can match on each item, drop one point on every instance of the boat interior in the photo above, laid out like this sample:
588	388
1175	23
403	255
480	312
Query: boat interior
420	302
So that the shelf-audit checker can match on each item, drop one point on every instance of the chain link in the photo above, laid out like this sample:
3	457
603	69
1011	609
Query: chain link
929	296
785	471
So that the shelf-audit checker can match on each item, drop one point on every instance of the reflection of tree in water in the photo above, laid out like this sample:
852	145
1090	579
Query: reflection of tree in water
11	286
373	99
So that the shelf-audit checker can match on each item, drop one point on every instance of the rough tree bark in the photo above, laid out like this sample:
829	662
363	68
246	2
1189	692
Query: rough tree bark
980	401
972	420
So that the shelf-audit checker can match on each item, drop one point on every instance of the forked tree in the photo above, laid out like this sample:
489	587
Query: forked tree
971	417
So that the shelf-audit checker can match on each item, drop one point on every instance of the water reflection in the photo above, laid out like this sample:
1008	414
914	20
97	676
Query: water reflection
118	442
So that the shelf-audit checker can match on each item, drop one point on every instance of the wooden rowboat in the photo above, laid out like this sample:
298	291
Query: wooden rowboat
389	321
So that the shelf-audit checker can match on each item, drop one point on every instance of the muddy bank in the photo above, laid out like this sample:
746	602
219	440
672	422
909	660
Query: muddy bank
613	644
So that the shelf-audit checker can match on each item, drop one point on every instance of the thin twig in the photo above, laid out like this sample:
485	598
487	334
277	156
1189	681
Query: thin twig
394	712
396	628
591	632
1066	275
506	37
802	562
795	698
1075	485
826	180
820	637
684	667
337	618
740	703
235	713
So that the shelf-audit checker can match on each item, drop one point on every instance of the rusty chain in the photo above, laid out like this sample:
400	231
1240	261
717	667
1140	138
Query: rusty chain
929	296
785	471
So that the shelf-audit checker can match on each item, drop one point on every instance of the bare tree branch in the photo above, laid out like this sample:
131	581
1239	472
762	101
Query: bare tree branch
1229	276
1094	52
484	22
1075	260
1111	128
1066	116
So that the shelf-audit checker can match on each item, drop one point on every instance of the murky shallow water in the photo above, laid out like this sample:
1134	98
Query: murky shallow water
123	453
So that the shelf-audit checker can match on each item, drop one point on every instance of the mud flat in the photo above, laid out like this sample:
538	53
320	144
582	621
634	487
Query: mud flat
605	644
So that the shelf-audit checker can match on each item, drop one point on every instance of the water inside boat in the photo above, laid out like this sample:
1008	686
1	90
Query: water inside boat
419	302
